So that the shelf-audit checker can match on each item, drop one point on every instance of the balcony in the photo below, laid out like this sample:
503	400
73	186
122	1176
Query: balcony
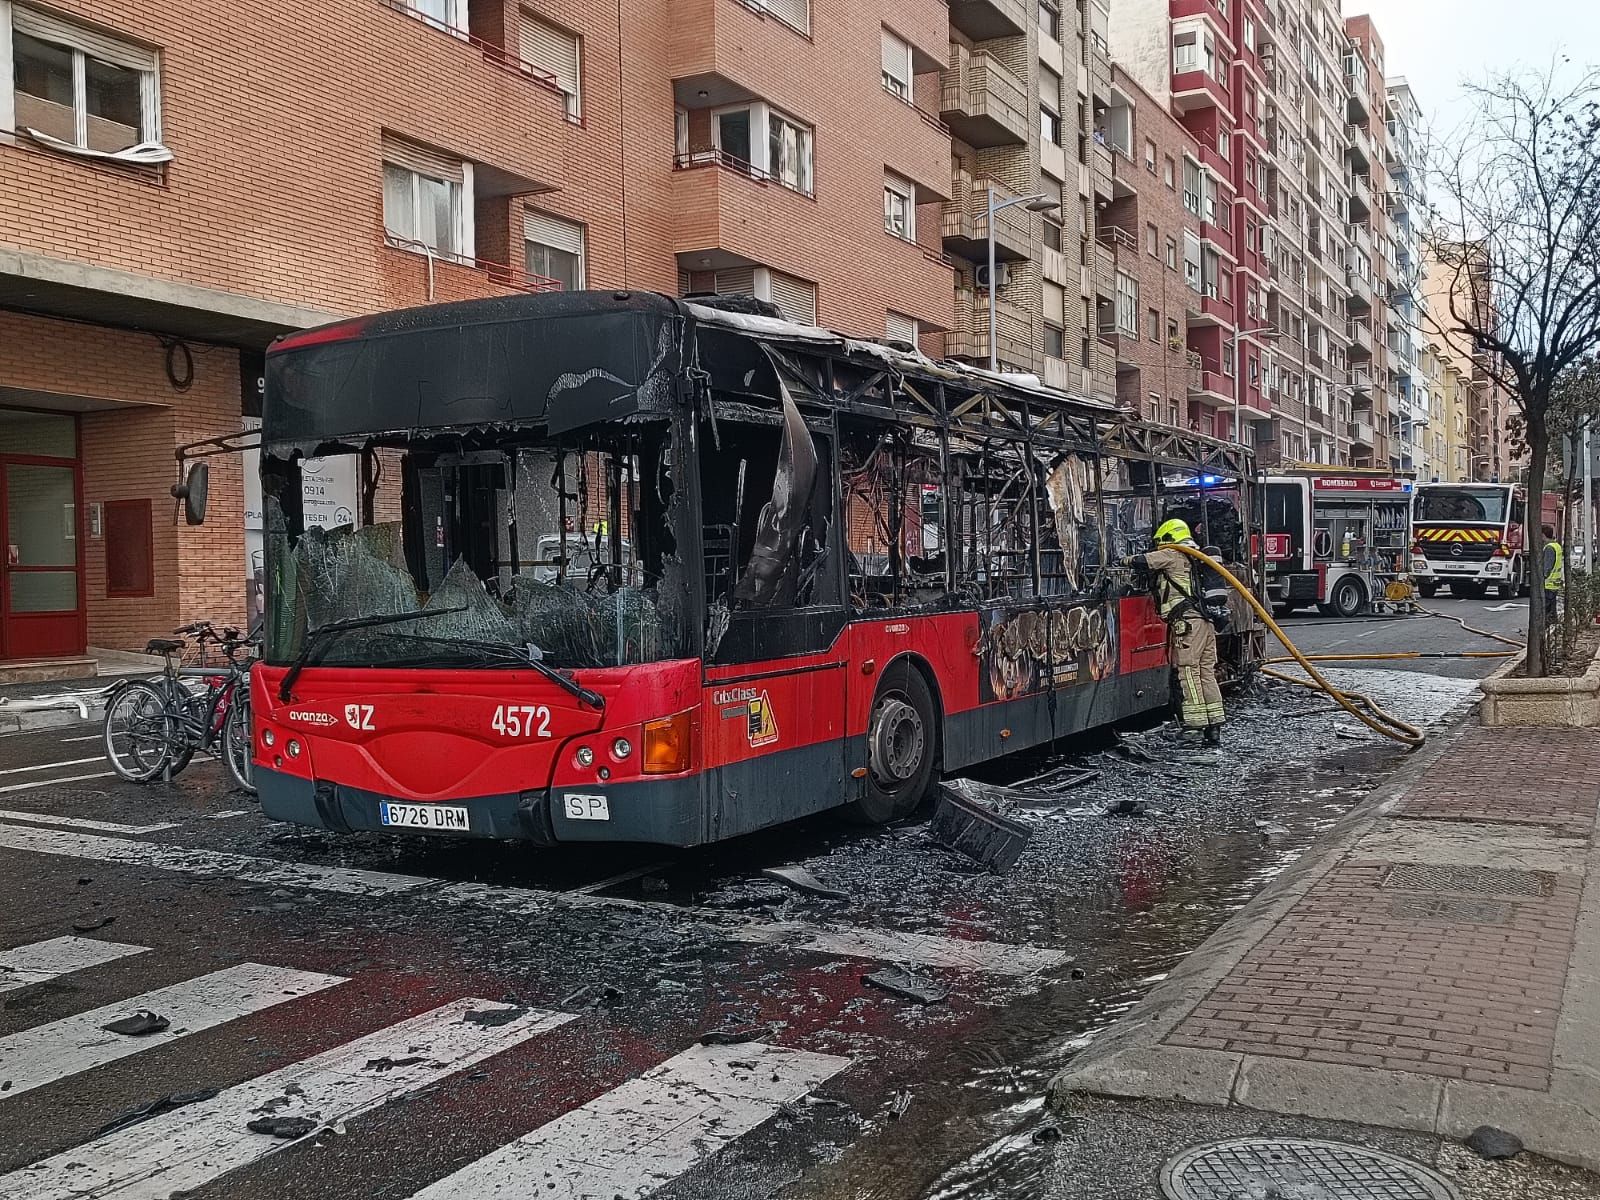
982	20
1359	149
722	53
1214	388
982	102
1359	335
1102	270
1194	89
918	146
1124	245
1361	433
1360	197
969	336
1360	385
1123	345
964	223
1360	288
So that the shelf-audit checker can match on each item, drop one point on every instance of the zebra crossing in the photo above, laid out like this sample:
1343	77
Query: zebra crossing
628	1142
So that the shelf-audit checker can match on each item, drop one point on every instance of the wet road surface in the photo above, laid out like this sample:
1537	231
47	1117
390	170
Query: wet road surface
469	1019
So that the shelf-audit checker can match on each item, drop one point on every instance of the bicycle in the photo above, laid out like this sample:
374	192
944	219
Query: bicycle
153	727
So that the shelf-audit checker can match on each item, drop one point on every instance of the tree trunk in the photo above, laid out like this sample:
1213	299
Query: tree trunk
1538	455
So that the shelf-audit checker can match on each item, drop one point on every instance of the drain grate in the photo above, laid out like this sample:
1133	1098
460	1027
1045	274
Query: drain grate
1306	1170
1473	881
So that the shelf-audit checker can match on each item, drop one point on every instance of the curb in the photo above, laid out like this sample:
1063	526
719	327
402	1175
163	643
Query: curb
53	713
1129	1061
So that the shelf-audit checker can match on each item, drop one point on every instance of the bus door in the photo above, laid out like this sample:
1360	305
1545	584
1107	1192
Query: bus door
774	674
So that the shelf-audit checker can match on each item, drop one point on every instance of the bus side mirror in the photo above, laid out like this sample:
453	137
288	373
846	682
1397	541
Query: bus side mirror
193	491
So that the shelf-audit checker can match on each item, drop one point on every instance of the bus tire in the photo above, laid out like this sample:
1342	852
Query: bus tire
902	747
1428	587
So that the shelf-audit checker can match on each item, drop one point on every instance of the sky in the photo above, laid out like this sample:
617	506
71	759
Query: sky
1437	43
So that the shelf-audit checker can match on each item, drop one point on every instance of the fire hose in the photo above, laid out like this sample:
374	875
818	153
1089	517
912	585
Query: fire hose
1362	708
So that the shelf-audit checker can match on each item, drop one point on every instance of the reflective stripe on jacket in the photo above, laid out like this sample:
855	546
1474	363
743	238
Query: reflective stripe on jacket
1552	562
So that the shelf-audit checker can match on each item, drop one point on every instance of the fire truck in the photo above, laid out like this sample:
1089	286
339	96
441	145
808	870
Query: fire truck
1470	536
1336	539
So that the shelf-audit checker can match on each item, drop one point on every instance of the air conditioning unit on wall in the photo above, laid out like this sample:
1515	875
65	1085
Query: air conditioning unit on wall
1002	272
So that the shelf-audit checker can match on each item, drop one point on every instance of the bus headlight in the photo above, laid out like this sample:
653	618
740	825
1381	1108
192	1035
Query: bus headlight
292	748
584	757
621	748
268	738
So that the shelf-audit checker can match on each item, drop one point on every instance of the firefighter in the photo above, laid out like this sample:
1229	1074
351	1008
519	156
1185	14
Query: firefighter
1191	640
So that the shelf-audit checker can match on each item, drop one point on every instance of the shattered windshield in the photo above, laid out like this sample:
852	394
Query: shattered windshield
560	550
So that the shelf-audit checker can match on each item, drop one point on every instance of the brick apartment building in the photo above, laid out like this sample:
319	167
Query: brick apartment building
180	183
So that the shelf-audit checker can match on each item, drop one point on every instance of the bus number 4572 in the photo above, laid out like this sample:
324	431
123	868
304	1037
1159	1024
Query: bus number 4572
521	720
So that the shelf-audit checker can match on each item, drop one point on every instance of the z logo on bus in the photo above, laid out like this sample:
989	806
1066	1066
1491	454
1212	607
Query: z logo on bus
358	716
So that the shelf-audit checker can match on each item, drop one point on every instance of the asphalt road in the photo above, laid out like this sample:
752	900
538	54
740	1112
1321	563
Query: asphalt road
466	1020
1316	634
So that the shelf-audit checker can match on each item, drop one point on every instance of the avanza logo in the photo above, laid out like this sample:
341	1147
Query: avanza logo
314	718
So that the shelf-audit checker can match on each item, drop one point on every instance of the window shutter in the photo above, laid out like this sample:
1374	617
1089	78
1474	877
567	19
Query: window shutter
553	231
422	160
795	12
553	51
1055	304
901	328
738	282
896	57
796	299
97	45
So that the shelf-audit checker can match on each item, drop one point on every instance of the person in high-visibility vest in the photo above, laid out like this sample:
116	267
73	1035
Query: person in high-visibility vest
1191	639
1553	568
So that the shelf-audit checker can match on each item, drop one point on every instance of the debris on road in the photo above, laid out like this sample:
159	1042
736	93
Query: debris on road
1127	808
803	880
493	1018
154	1108
1060	779
983	835
909	984
1046	1134
388	1064
90	924
282	1127
899	1105
735	1037
141	1024
593	995
1486	1141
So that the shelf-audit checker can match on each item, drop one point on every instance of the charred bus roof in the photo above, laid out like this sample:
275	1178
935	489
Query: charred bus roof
561	360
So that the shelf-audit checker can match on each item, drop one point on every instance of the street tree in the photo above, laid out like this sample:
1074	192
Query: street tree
1516	232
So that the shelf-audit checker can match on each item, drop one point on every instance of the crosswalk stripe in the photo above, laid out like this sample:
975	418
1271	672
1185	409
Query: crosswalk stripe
637	1138
41	961
46	1053
190	1147
44	783
71	762
882	945
39	818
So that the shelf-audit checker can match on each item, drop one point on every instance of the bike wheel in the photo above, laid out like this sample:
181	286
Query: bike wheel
237	746
140	732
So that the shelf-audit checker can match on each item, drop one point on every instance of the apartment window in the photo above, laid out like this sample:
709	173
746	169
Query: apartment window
450	15
733	129
1050	106
900	328
1050	23
897	65
1174	415
554	249
1172	253
789	152
1172	334
796	298
1149	156
1185	50
1055	320
1152	240
80	91
555	52
1227	358
1052	235
1152	322
1169	172
796	13
1250	35
1127	304
1153	409
680	131
899	207
1191	260
1222	143
1192	183
427	200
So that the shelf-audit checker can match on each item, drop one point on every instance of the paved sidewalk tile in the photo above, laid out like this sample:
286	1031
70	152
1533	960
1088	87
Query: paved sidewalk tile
1371	971
1514	776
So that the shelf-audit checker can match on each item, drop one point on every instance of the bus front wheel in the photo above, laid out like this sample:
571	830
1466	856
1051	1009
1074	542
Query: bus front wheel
902	745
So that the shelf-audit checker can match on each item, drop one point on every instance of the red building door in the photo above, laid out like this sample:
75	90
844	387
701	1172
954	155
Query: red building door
41	573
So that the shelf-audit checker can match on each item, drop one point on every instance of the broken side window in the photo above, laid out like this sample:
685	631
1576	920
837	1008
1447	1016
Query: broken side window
893	518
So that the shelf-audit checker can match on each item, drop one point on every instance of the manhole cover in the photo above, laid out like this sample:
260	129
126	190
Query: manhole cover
1456	910
1269	1168
1474	881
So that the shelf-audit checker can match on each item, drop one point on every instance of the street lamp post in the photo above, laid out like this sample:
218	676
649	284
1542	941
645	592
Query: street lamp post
1267	332
1039	204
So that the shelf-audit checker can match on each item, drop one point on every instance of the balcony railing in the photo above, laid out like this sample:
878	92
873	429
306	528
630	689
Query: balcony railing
729	162
982	101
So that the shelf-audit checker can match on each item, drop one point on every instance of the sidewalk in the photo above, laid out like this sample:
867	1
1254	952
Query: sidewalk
25	707
1433	966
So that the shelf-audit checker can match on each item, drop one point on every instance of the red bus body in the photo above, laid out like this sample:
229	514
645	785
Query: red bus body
690	750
